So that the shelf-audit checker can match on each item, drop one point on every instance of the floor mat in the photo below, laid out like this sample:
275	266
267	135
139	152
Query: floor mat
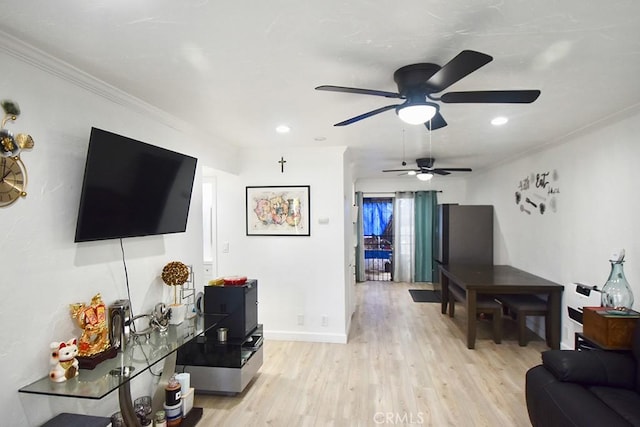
424	295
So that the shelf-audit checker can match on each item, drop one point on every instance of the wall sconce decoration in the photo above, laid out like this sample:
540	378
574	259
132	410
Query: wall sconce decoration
13	173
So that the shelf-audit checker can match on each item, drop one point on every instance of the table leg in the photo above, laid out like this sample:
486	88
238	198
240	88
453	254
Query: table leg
126	402
554	319
444	291
126	405
471	318
168	369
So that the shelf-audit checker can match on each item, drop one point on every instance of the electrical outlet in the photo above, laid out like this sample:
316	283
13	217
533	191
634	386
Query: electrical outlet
300	319
325	321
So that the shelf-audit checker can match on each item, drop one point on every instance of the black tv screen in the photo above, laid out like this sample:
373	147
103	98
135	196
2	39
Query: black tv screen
132	188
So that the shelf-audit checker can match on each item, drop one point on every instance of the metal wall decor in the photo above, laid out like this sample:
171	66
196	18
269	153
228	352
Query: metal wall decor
13	173
537	193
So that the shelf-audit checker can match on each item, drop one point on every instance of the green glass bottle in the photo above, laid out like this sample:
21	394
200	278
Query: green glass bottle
616	292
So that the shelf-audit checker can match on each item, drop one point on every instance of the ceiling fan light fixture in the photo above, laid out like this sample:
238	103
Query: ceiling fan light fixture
416	113
424	176
411	173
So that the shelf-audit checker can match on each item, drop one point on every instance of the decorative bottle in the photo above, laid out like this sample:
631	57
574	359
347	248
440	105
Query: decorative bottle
616	293
160	419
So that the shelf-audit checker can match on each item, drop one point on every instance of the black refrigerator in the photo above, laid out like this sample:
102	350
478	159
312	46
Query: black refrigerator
463	234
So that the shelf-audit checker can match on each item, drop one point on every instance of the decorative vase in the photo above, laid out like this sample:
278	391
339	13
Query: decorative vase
616	293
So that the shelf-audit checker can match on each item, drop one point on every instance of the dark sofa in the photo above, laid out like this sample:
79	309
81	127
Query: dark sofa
585	388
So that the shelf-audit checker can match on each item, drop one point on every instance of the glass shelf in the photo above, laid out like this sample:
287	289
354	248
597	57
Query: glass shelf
140	354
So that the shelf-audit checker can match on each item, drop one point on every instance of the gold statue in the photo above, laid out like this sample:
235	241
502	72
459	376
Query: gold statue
92	319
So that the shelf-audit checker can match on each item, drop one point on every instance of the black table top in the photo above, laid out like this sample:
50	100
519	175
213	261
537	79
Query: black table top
494	277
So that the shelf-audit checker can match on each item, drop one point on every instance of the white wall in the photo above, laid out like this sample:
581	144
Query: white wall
350	239
297	275
42	269
597	209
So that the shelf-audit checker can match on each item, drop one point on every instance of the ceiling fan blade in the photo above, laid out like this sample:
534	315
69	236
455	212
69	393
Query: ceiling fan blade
436	122
365	115
359	91
401	170
455	169
439	172
465	63
492	96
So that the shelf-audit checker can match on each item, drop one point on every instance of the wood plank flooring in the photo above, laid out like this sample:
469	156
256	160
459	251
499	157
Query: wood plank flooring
405	364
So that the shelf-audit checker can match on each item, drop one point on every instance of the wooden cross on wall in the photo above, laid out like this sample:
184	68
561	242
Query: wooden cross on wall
282	161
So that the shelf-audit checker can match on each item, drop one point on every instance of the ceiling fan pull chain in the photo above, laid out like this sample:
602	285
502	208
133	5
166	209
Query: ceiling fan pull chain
404	160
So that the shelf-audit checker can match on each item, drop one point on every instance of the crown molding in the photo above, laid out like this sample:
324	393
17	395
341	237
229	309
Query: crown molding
53	66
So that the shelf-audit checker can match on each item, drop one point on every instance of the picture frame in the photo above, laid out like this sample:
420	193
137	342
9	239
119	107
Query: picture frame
278	210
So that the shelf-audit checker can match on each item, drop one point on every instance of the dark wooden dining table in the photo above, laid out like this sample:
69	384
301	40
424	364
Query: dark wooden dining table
501	279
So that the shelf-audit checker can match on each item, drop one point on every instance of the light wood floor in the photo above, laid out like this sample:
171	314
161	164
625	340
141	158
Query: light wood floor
405	364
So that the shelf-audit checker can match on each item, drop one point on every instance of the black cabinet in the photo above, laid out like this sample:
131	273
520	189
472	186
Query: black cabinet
464	235
239	302
207	350
583	343
226	366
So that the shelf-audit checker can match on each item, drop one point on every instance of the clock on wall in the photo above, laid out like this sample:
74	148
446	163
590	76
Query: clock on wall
13	174
14	180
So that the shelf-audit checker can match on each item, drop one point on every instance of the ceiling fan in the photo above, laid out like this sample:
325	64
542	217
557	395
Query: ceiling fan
418	83
425	170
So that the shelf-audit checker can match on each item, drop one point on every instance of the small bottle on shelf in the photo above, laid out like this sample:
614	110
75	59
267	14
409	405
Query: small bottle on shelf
160	419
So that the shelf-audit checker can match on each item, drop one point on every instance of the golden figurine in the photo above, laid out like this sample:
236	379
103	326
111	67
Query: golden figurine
92	319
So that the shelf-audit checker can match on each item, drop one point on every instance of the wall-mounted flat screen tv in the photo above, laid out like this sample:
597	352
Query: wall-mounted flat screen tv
132	188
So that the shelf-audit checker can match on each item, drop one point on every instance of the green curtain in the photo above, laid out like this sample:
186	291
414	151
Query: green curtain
424	208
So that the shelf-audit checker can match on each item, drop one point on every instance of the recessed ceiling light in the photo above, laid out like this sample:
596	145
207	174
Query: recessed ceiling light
283	129
320	138
499	121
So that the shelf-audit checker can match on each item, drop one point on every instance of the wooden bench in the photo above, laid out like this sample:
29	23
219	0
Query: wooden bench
484	304
523	305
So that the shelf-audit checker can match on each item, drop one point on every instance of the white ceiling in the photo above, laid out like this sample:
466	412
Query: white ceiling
237	69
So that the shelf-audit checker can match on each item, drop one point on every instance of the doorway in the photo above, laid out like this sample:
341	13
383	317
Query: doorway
377	228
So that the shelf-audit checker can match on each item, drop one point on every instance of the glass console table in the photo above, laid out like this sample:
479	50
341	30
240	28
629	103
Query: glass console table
140	354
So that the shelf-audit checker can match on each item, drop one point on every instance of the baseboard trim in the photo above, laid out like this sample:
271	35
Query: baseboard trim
305	336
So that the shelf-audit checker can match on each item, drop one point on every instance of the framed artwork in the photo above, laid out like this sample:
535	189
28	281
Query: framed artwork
278	211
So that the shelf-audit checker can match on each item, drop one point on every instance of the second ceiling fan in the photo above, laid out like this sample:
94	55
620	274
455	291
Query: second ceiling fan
418	83
426	170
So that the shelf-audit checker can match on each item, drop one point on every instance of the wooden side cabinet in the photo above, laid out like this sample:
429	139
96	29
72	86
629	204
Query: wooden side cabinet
611	331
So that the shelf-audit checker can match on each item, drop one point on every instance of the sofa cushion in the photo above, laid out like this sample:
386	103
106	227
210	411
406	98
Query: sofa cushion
602	368
553	403
625	402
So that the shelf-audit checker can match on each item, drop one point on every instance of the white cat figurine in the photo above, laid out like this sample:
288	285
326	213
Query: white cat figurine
63	359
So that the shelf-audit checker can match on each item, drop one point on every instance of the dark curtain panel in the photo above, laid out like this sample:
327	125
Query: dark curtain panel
425	217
